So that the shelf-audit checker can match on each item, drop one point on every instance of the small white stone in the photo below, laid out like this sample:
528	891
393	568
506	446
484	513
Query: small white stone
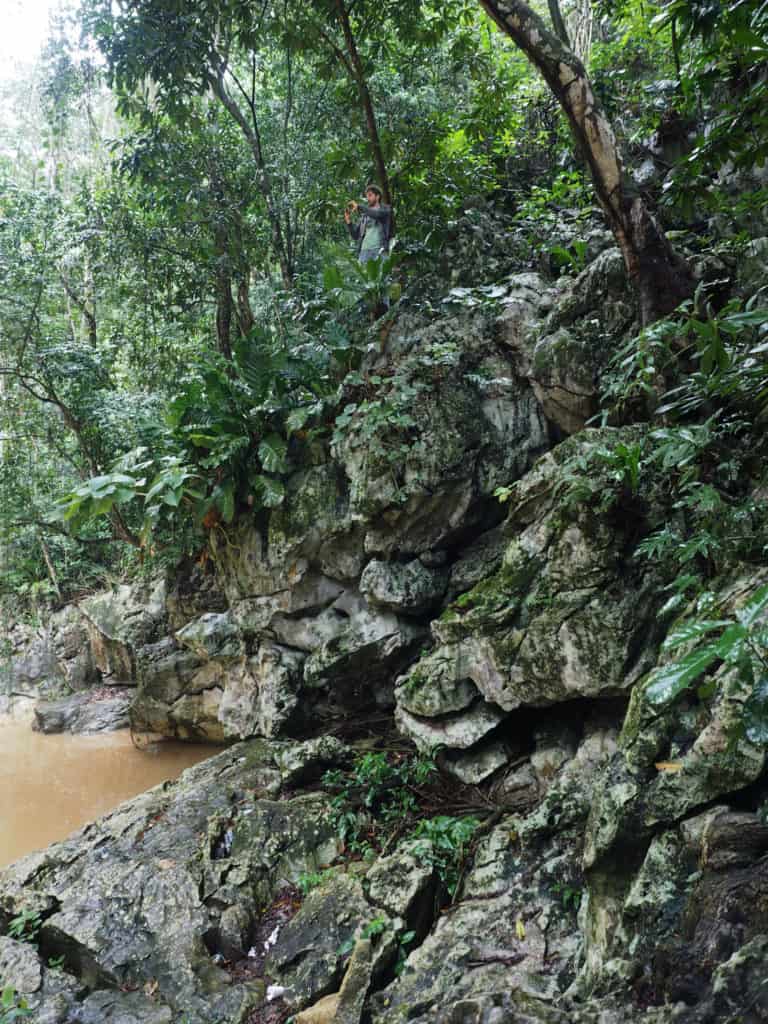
274	992
272	939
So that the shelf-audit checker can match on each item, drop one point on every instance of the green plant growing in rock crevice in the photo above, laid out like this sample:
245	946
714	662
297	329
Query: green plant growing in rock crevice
444	843
377	795
24	927
739	642
12	1006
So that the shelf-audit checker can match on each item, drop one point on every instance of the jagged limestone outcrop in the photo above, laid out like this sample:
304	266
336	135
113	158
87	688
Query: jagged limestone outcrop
566	616
564	354
702	742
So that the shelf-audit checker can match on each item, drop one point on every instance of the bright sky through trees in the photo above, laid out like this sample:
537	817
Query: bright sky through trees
24	30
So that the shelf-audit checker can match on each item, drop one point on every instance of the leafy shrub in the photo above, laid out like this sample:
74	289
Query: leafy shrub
444	844
226	439
378	792
740	641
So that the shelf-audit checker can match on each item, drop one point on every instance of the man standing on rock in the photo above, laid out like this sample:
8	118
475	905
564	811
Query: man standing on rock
372	232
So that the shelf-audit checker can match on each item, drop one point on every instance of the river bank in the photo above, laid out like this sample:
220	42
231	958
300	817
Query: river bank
52	785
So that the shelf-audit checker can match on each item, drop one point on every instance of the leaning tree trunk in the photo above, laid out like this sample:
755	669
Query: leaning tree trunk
662	279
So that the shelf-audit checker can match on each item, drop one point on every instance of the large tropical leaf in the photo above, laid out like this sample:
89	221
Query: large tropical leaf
273	452
269	491
669	681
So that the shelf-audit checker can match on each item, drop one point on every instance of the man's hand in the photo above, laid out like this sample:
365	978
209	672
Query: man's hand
347	218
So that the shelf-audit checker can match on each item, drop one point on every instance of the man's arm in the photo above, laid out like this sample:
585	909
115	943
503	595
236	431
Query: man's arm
354	230
380	212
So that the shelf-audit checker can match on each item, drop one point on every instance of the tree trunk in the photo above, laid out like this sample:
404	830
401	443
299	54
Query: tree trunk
219	89
245	319
224	311
662	279
355	65
557	22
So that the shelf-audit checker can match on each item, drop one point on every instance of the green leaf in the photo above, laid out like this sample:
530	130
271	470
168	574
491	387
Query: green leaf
753	608
296	418
693	631
226	502
270	492
669	681
756	713
203	440
272	452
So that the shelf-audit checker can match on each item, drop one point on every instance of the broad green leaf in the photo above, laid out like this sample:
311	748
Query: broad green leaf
173	498
754	607
296	418
693	631
669	681
102	505
730	645
226	502
203	440
270	492
159	484
272	452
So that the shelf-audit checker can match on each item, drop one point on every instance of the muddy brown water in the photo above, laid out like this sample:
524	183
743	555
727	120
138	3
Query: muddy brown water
52	785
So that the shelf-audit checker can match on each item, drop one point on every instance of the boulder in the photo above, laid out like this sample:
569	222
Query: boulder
406	587
85	712
404	883
49	994
346	1005
309	956
121	620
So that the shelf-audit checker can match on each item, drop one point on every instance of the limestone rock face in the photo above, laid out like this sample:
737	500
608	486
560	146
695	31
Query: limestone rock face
705	746
309	956
564	355
411	588
364	657
561	619
137	899
49	661
495	940
50	995
404	884
421	478
121	620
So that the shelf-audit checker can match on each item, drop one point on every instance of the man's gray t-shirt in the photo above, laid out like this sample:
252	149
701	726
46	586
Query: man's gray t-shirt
373	239
372	233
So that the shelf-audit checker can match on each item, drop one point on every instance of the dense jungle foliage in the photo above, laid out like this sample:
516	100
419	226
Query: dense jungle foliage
182	318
